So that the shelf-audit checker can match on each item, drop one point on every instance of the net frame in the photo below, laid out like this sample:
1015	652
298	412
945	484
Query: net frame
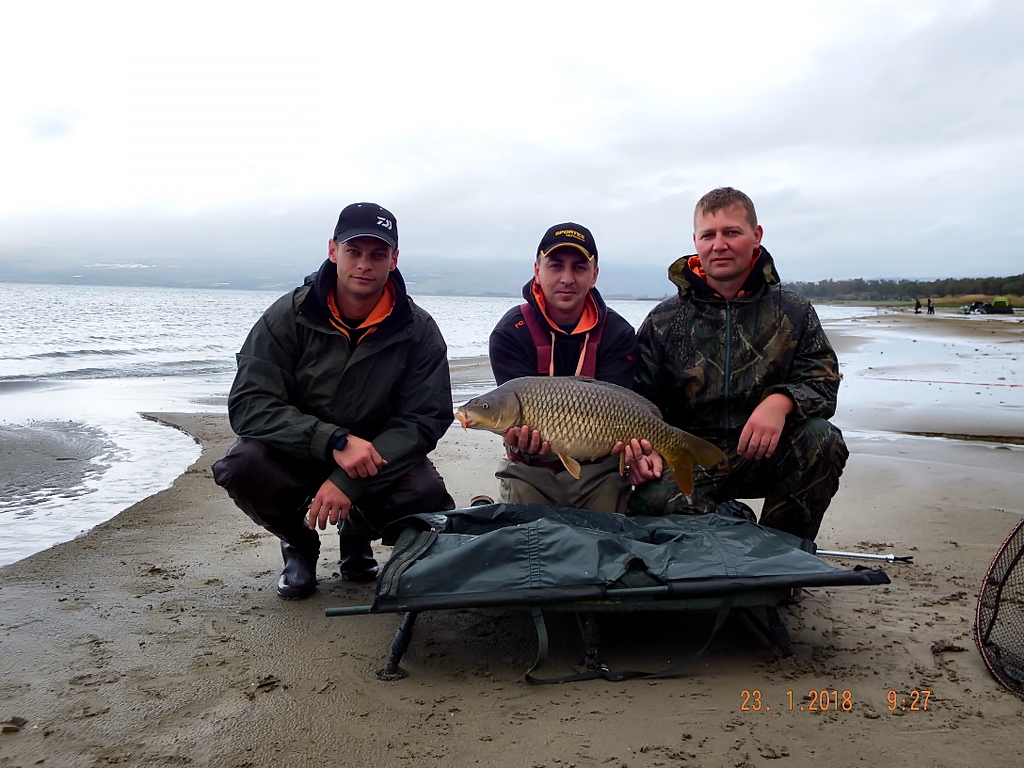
999	619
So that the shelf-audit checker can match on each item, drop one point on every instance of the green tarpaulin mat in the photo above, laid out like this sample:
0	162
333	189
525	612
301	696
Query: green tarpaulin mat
505	554
559	559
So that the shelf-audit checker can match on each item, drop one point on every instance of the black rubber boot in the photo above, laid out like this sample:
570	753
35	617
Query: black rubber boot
733	508
356	562
298	578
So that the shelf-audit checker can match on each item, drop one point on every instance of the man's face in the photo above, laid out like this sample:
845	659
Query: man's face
726	243
565	277
364	264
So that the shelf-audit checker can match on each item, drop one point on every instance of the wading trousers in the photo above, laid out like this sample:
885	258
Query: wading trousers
600	487
797	482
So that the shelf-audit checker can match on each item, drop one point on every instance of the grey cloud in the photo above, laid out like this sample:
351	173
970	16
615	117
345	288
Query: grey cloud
900	159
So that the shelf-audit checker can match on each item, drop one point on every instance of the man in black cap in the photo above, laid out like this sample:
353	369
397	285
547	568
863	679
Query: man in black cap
342	390
563	328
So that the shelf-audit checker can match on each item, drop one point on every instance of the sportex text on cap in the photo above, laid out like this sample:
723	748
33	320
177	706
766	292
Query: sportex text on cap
570	234
367	220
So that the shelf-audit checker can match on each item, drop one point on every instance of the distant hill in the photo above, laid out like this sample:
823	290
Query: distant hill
458	277
425	275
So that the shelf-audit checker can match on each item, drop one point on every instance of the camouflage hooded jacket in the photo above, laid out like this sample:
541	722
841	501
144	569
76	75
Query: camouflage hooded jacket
708	362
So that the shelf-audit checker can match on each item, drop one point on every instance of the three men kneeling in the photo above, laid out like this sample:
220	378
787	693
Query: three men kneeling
343	389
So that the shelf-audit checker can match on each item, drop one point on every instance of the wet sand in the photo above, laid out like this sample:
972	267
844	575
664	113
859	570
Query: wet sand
156	639
40	458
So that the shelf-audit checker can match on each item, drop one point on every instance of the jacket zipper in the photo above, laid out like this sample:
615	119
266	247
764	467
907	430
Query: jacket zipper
727	367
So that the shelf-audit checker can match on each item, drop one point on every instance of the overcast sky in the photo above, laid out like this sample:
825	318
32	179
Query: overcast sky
877	139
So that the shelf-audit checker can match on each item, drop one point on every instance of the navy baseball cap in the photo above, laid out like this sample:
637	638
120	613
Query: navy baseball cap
367	220
568	234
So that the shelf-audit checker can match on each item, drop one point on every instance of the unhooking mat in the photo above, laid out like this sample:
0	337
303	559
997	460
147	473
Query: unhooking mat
529	554
560	559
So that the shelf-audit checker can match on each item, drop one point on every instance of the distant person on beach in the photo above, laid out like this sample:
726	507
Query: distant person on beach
742	362
917	306
342	390
562	328
931	307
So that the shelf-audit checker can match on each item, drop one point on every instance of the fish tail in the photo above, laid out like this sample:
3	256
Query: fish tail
684	451
681	465
704	453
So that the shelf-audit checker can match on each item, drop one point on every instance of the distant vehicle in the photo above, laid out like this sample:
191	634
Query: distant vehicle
977	308
1000	306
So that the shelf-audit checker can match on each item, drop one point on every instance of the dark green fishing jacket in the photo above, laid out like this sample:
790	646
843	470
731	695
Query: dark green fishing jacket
708	363
299	381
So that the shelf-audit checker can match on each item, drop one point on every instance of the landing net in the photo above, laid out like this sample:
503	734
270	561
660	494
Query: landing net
999	624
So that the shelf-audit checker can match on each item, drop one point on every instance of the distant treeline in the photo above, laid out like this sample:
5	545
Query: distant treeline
905	290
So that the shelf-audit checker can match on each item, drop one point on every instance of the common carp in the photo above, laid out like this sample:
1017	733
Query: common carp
583	418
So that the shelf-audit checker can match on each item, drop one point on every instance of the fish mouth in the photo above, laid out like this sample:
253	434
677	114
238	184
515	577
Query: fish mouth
463	418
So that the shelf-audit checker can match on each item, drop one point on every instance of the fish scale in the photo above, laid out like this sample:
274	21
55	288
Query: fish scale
559	412
582	418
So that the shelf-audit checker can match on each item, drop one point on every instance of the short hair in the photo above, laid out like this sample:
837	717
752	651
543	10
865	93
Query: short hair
726	197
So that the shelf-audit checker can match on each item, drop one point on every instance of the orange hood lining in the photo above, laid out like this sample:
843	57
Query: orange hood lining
587	322
693	262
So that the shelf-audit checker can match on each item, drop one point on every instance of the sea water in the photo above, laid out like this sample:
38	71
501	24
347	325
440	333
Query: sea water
79	364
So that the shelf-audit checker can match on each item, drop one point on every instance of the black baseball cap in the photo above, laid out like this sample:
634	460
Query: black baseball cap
367	220
570	234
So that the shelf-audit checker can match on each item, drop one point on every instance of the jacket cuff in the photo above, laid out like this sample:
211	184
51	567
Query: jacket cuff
321	440
348	486
787	390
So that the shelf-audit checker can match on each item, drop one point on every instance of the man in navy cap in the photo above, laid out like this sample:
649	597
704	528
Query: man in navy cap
563	328
342	390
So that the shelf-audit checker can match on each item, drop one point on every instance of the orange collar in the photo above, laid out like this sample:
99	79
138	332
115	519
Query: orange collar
381	310
588	320
694	264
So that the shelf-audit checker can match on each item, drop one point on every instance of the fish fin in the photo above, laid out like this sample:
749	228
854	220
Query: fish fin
681	465
622	462
703	452
571	465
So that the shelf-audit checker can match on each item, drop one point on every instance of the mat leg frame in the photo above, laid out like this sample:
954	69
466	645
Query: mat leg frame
771	629
591	634
391	669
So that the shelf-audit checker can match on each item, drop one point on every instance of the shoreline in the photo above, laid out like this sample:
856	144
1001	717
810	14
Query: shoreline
58	461
875	392
145	641
857	340
156	639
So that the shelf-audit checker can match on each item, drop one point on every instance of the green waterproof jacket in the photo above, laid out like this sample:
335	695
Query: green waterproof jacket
298	382
708	362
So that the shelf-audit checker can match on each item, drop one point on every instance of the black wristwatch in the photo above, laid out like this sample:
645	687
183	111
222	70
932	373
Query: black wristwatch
337	442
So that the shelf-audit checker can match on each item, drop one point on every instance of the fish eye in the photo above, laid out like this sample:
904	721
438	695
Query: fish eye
485	406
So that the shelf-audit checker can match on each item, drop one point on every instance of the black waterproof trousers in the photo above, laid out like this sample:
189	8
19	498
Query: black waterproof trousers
275	488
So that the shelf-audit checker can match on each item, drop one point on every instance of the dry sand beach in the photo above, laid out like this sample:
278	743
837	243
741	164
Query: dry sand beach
157	640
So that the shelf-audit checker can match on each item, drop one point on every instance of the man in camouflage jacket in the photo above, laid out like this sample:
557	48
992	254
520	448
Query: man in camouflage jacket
742	362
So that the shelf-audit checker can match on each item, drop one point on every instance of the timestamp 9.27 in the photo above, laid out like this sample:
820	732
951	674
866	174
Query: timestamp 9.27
914	701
